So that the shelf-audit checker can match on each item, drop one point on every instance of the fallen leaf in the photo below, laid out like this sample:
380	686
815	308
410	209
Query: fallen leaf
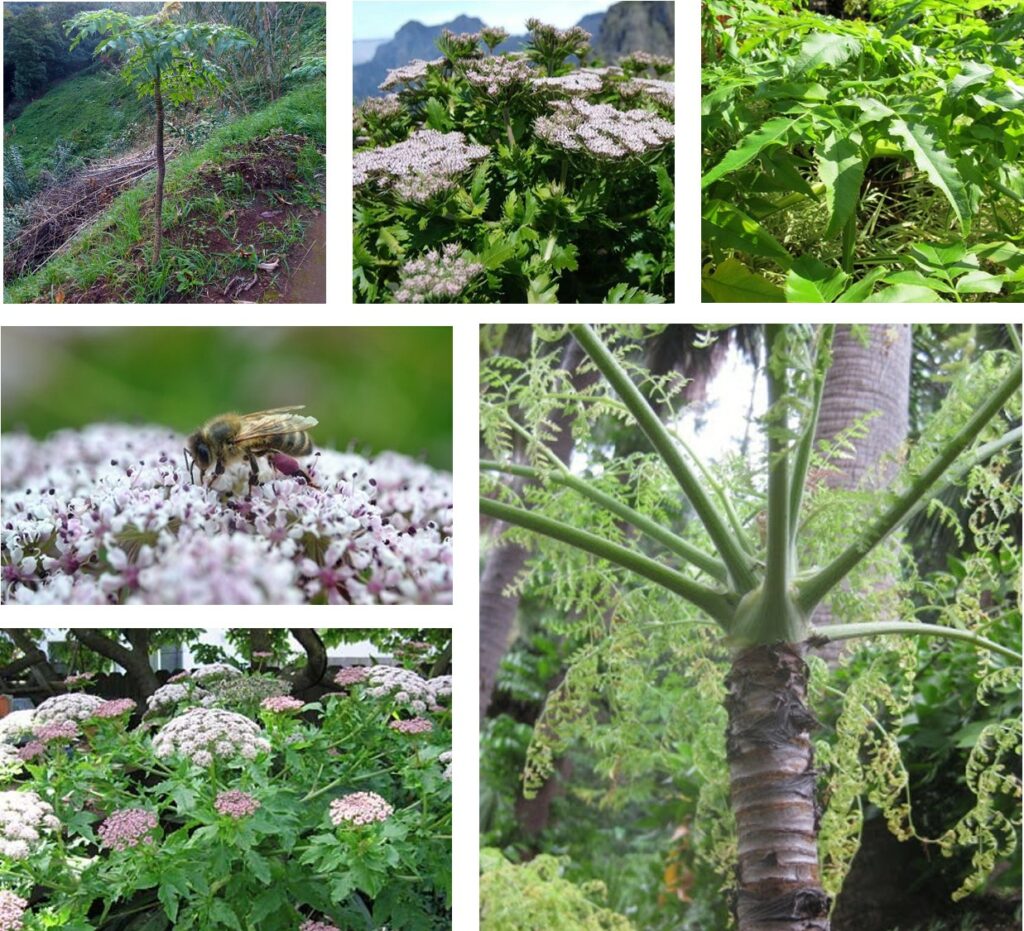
270	266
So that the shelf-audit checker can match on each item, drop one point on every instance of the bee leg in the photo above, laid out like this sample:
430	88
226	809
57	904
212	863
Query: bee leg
218	471
254	472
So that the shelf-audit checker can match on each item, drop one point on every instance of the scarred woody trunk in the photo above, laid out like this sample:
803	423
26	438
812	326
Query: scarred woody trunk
772	786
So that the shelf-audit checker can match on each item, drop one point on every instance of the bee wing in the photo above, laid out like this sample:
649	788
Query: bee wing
275	422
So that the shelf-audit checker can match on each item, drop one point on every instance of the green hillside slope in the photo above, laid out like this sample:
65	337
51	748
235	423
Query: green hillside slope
93	114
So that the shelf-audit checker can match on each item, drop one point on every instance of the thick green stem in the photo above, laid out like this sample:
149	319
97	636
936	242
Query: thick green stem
802	460
849	243
819	636
778	562
160	170
715	604
725	542
644	524
813	589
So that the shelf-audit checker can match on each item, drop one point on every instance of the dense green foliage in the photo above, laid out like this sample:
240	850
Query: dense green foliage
874	159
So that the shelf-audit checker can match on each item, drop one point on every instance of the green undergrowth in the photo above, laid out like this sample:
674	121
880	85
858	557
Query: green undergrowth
202	218
87	116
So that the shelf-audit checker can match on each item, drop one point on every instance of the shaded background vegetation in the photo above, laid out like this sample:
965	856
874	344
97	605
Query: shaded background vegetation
372	388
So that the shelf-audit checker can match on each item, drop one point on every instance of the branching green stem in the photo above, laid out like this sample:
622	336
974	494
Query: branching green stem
644	524
813	589
725	542
707	599
778	562
833	632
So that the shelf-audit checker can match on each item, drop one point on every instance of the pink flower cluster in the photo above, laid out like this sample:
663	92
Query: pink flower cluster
115	708
351	675
281	703
60	730
385	525
235	803
31	750
412	726
437	276
360	808
81	678
12	908
127	827
427	163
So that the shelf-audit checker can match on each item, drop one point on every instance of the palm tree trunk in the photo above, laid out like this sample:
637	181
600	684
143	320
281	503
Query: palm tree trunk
772	788
159	234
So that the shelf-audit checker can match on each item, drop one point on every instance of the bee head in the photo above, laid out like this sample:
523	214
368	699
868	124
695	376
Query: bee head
197	453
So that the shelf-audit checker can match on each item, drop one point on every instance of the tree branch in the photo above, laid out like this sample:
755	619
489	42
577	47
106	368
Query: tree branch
644	524
712	602
819	636
135	661
316	658
813	589
648	421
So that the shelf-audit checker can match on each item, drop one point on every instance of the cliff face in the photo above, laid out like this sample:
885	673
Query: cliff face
643	25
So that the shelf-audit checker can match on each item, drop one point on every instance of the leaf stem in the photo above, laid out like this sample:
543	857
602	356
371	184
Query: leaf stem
822	635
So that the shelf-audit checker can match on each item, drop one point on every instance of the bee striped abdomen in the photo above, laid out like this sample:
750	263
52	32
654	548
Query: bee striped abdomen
295	444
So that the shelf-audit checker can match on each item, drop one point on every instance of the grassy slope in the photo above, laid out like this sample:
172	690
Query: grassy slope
93	112
105	251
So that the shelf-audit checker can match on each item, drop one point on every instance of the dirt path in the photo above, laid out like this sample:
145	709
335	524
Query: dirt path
307	280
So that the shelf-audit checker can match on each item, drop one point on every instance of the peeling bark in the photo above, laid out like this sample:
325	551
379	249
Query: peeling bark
772	789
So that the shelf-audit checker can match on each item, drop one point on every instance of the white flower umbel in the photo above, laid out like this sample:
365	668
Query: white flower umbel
411	73
408	688
206	734
499	77
24	819
664	92
437	277
171	694
108	515
580	83
75	706
603	131
424	165
16	725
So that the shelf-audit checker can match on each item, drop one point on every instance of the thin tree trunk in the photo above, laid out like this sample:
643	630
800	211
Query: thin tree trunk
34	657
316	658
772	791
159	219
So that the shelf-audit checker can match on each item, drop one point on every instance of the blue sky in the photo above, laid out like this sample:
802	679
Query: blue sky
381	19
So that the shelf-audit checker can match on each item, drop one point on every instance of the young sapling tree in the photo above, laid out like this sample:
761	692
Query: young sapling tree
161	58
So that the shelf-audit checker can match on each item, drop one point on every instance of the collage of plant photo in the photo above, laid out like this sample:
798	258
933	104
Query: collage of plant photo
740	597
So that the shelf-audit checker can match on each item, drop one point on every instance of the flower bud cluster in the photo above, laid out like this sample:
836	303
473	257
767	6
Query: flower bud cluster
601	130
311	925
115	708
80	678
206	734
74	706
31	750
351	675
281	704
664	92
126	828
59	730
12	908
412	726
236	804
499	77
383	108
418	168
437	277
213	672
493	36
415	71
171	694
360	808
406	687
446	759
24	819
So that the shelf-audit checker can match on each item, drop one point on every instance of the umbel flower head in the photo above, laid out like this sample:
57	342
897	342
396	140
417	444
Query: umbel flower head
360	808
419	168
24	820
206	734
411	73
499	78
664	92
107	515
437	277
126	828
59	709
407	688
12	908
602	131
236	804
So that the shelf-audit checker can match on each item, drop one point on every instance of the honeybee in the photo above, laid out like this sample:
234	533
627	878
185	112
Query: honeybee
278	434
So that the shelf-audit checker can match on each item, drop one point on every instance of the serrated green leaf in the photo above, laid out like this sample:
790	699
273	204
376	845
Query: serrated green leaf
728	227
858	292
812	282
773	132
823	48
979	283
623	294
936	164
916	278
904	294
973	73
733	283
841	163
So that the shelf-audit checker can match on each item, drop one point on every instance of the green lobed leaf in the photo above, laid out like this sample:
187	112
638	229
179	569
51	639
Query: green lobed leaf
972	73
936	164
774	132
841	162
812	282
730	228
858	292
823	48
904	294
